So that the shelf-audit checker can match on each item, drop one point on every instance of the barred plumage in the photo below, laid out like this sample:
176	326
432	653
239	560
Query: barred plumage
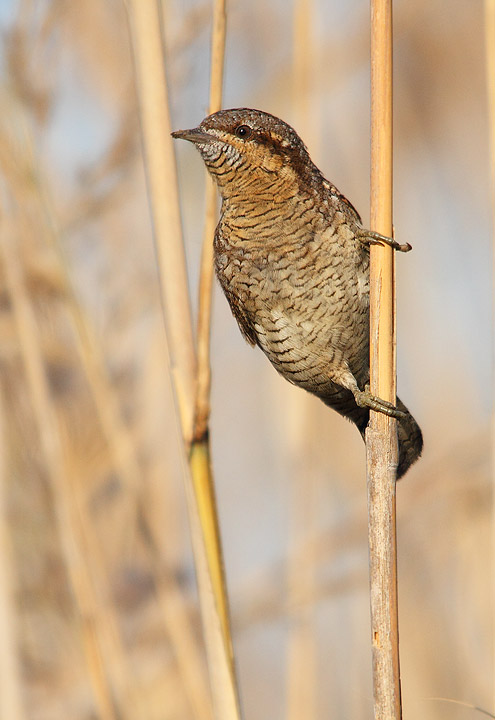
293	260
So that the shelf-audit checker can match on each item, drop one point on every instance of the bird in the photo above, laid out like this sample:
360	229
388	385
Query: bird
292	257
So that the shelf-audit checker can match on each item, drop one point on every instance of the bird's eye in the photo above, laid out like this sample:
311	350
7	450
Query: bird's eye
243	131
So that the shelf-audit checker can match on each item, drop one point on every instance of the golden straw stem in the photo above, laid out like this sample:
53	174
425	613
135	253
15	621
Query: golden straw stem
200	452
218	644
162	184
381	435
123	452
124	455
11	705
163	190
202	399
490	90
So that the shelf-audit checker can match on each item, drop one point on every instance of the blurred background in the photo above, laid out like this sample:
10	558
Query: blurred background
88	433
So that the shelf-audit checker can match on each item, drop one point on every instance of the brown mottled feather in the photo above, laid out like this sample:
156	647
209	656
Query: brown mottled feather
290	257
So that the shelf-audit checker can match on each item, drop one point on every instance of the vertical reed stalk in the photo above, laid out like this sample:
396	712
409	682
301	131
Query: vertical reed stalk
123	452
202	399
490	89
200	448
117	435
302	642
11	705
381	436
302	65
93	631
163	191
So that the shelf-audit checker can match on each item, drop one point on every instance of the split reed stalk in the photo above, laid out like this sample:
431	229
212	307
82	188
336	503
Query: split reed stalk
381	435
161	173
490	89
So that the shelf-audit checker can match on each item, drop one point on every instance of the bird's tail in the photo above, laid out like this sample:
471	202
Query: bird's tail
409	435
410	440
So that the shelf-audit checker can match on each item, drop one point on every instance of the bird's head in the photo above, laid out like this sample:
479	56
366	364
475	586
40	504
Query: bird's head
245	148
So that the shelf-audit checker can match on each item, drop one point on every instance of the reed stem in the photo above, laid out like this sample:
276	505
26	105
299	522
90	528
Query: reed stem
381	435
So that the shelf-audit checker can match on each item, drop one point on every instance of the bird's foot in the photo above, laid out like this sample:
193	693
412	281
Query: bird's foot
364	398
370	237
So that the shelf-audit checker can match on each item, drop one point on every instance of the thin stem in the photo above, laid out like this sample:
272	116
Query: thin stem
202	399
164	196
163	191
11	705
381	436
94	633
302	656
123	451
200	452
490	88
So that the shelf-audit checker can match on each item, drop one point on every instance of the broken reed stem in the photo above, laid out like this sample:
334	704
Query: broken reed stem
490	89
381	435
163	191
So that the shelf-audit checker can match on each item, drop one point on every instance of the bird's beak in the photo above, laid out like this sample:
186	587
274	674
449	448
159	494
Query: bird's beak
196	135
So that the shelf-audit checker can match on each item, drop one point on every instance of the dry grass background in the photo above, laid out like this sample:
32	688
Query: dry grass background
91	493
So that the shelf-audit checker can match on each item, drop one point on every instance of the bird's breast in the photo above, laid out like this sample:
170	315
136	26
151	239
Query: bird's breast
302	296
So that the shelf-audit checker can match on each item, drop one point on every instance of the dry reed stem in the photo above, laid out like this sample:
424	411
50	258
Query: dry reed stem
302	61
93	632
301	570
174	609
107	642
202	399
218	644
113	651
117	435
123	452
381	435
202	477
101	618
200	460
163	190
302	593
481	710
490	91
11	705
162	183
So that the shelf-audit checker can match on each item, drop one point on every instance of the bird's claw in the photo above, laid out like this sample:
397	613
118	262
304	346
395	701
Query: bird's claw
370	237
364	398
